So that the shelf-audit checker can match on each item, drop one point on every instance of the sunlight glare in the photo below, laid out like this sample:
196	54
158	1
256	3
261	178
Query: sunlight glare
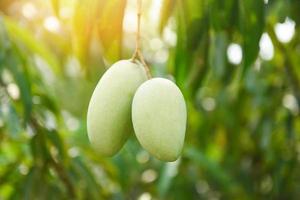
202	187
145	196
289	101
234	53
142	157
266	48
257	64
170	36
29	10
13	91
23	169
161	56
52	24
73	152
65	13
155	11
50	121
129	24
209	103
149	176
156	44
285	31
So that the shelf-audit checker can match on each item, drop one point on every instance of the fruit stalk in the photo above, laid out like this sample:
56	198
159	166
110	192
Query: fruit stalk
138	54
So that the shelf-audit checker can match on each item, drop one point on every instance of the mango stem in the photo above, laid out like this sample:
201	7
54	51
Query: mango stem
137	53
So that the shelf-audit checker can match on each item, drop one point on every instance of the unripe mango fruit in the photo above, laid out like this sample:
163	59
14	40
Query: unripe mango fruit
159	118
109	112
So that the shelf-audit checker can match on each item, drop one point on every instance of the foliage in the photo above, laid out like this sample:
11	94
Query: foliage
242	139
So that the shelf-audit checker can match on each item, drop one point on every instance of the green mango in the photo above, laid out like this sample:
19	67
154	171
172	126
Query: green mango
159	118
109	112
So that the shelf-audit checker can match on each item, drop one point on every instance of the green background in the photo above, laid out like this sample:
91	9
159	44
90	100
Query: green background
242	139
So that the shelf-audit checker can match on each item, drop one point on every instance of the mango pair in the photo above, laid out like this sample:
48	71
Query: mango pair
125	101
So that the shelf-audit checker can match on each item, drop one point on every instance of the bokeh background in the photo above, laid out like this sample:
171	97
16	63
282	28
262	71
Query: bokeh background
236	61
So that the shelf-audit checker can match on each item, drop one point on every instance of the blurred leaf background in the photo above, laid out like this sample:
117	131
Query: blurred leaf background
236	61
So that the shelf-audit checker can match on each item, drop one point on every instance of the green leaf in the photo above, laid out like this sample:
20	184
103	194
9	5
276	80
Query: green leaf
107	17
17	66
295	7
55	6
87	177
13	122
196	31
25	37
83	22
165	13
29	183
252	23
57	142
212	168
110	28
168	173
221	14
181	55
192	27
8	171
4	42
217	53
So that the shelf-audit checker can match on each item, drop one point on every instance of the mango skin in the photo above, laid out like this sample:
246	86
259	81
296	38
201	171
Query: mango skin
159	118
109	112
